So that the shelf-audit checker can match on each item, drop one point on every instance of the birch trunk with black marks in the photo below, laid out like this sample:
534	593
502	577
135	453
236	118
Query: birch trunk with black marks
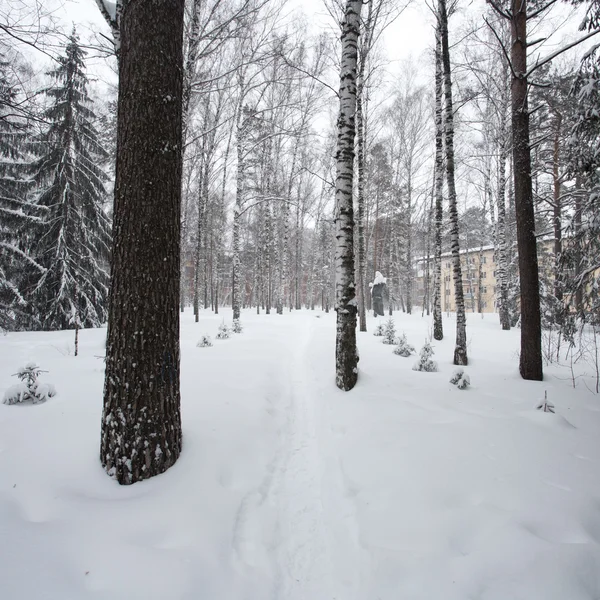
141	422
438	329
460	349
530	360
502	270
408	273
236	276
361	142
345	305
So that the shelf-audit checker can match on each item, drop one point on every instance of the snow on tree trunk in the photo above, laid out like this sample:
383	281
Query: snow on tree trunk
502	270
557	209
408	284
438	330
530	363
460	350
236	288
361	132
141	422
361	208
346	351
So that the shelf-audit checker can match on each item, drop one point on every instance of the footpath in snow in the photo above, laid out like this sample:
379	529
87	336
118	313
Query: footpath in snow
289	489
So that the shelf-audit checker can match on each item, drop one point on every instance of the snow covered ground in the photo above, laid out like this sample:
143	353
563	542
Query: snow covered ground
288	489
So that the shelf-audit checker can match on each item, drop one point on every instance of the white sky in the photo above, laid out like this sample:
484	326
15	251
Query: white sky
410	36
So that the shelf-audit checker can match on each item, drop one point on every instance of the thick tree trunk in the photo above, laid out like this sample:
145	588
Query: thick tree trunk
530	364
460	350
141	423
346	351
438	330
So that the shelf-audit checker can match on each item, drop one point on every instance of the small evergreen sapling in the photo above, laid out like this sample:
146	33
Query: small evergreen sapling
425	363
389	332
224	332
545	405
403	348
378	331
237	326
204	342
29	388
460	379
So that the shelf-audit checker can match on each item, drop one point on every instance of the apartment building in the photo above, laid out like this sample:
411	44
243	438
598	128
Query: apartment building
478	266
478	274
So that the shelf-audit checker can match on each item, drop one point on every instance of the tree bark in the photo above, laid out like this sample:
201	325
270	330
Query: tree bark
502	270
361	132
236	276
141	423
346	351
530	364
438	330
460	349
557	209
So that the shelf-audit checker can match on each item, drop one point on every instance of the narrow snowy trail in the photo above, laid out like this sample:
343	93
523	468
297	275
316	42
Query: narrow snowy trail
290	523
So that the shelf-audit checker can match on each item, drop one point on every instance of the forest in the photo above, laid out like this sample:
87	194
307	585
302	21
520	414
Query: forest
172	167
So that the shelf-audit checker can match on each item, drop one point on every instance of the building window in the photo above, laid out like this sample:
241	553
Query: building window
493	273
447	265
483	259
485	305
484	275
447	292
485	290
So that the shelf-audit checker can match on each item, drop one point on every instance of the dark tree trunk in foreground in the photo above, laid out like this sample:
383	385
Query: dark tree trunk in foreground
346	354
530	364
141	425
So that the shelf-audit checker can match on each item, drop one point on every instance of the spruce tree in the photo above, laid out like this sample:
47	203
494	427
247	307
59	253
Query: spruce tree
72	241
17	215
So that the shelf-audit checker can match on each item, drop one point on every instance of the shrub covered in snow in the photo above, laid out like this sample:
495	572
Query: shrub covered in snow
403	348
389	332
425	363
237	326
460	379
224	332
29	388
204	342
378	329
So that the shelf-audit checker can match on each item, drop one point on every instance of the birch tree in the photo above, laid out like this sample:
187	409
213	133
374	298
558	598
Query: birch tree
460	349
438	330
346	351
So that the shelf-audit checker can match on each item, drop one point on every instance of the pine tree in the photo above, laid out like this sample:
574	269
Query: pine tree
141	419
72	240
582	256
17	215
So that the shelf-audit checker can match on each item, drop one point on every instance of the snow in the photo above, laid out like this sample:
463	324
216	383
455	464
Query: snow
379	278
290	489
